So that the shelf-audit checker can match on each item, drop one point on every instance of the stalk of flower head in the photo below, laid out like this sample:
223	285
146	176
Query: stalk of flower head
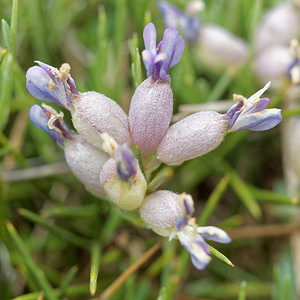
215	47
92	113
290	150
85	160
202	132
151	106
170	215
121	178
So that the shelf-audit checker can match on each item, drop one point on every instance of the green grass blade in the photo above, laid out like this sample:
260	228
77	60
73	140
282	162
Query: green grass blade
38	274
136	66
262	195
240	188
95	261
13	26
221	85
67	280
243	292
213	200
83	212
220	256
61	232
6	33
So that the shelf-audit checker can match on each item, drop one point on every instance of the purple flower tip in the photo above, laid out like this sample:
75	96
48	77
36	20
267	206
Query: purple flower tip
175	18
48	120
126	162
49	84
159	59
252	114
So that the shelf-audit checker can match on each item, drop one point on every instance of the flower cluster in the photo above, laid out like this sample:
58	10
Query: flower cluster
276	55
101	153
218	48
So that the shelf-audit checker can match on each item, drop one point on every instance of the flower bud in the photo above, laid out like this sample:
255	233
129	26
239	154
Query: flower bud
272	64
192	136
94	113
160	211
150	113
86	162
127	195
277	27
219	49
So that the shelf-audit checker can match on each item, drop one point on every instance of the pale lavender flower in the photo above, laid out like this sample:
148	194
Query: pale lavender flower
48	120
49	84
169	214
84	160
159	59
202	132
252	114
92	113
151	107
188	22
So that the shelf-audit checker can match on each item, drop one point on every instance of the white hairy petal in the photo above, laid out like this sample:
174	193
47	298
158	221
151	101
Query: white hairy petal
94	113
192	136
160	211
86	162
150	113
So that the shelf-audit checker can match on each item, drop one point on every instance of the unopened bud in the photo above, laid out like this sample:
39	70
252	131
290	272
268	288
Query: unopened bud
128	195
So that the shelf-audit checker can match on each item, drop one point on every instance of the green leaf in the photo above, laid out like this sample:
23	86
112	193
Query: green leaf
59	231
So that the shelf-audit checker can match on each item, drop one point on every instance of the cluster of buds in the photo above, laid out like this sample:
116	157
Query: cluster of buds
101	153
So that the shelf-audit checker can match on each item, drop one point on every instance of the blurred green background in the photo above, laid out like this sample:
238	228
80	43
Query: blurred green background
60	232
